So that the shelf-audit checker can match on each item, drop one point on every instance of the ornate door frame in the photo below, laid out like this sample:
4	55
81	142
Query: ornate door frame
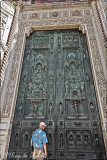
27	26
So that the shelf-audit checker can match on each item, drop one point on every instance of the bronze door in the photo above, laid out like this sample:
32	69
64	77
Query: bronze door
56	86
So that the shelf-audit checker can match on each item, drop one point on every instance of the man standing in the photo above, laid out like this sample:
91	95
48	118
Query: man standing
38	141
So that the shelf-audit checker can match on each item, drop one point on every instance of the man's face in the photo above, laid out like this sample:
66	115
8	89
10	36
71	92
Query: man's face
42	127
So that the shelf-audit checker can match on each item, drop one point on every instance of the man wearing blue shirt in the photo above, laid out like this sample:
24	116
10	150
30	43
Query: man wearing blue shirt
39	141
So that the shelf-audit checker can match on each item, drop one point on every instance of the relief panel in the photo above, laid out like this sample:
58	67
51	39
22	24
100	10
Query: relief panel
56	86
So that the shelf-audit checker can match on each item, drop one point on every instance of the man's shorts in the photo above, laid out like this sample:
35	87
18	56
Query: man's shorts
38	154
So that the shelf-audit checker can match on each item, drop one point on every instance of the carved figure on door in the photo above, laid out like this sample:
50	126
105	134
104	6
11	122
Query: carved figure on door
16	141
30	86
78	140
76	108
34	110
61	140
39	81
67	86
91	107
74	82
71	140
60	108
86	140
97	141
81	86
20	110
87	77
50	108
72	69
26	140
49	139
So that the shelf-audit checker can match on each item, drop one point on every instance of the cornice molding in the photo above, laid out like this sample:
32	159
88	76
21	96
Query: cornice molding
58	5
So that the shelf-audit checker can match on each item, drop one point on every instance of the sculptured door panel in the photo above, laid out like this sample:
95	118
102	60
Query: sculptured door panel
56	86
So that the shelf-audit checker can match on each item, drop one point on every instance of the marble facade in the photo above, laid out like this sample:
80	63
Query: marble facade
26	18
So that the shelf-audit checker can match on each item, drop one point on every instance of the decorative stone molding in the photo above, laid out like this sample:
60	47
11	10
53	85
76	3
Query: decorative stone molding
83	28
5	48
102	35
58	5
7	14
27	26
17	6
28	31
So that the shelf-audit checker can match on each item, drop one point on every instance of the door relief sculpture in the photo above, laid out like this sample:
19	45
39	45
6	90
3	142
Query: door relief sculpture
56	86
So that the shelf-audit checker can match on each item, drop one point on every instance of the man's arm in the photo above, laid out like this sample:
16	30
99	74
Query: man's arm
45	149
32	149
